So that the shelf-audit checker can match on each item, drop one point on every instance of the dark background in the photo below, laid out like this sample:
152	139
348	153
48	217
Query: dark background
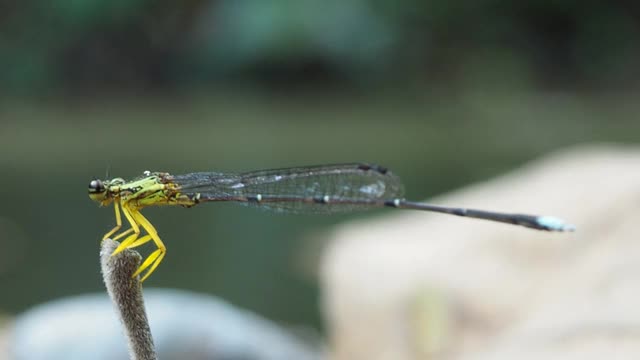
444	93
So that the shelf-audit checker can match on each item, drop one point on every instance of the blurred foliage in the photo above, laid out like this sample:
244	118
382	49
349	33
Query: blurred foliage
98	45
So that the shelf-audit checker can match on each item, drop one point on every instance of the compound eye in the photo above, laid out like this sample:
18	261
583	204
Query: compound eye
96	186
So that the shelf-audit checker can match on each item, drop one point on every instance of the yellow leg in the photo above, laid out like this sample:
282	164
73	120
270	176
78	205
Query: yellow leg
141	241
122	234
126	244
134	228
127	213
153	260
118	221
117	205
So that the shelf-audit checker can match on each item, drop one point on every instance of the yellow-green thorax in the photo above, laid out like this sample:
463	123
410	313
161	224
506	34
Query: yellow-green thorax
151	190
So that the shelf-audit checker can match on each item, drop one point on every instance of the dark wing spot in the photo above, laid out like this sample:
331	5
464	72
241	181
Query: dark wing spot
366	167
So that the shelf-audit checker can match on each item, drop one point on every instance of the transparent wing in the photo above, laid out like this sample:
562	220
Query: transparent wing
299	189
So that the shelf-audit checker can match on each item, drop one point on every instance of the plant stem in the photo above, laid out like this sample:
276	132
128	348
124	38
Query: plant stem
126	294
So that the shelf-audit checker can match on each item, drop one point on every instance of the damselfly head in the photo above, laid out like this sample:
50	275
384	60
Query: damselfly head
97	190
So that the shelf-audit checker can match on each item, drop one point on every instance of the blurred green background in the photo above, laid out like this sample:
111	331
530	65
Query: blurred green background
444	93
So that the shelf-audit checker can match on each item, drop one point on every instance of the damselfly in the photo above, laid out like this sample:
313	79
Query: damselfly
313	189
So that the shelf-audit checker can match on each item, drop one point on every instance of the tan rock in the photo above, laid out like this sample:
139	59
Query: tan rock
416	285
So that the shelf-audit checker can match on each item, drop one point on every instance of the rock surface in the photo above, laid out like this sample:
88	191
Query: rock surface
185	325
417	285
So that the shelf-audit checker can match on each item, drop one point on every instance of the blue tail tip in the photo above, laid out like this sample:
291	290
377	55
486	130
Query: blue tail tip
555	224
